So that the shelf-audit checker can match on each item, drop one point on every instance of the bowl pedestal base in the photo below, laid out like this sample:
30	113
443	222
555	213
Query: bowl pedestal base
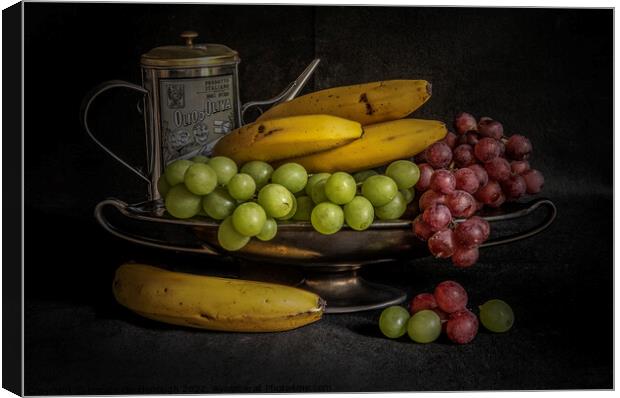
341	286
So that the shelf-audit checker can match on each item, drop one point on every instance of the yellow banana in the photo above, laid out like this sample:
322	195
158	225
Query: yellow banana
367	103
214	303
287	137
381	143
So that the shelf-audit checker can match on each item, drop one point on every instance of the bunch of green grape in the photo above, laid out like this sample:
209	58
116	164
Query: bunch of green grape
251	200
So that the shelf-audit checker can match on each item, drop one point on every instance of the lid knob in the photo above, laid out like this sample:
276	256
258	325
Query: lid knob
189	36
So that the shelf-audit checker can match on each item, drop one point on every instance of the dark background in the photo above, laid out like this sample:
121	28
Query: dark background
545	73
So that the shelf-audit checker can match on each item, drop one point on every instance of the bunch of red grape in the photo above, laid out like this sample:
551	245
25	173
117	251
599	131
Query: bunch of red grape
459	175
449	301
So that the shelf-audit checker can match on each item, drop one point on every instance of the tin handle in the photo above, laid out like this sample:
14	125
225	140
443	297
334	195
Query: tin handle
88	100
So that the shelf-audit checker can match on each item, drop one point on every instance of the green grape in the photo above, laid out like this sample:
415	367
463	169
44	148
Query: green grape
314	178
200	179
241	186
327	218
219	204
200	159
424	326
224	167
229	238
249	218
162	186
175	171
181	203
291	213
269	230
340	188
379	189
393	321
260	172
394	209
292	176
361	176
318	192
359	213
304	208
409	194
276	200
496	315
405	173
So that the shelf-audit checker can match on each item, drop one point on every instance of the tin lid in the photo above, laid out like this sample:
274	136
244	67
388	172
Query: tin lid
190	55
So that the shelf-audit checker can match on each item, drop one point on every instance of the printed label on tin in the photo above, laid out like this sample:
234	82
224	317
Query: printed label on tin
195	113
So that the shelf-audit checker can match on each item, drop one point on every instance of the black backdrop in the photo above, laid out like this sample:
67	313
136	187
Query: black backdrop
545	73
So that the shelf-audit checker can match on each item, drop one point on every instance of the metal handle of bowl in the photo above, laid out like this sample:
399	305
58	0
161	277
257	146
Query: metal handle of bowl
529	209
124	208
88	100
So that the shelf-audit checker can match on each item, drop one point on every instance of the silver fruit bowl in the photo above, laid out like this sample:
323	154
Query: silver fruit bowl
329	263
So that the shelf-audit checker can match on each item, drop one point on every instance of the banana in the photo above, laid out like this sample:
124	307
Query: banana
272	140
367	103
214	303
381	143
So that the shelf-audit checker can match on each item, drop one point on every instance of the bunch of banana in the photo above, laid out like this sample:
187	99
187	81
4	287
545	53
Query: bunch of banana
214	303
346	128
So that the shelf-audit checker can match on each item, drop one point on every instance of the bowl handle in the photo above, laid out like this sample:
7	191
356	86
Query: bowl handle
530	208
124	208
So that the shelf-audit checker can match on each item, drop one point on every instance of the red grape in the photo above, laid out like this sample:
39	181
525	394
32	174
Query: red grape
514	187
421	229
443	181
519	166
488	127
441	244
498	169
450	139
487	149
464	155
518	147
466	180
463	258
461	204
426	171
489	193
462	326
481	173
438	155
437	216
469	234
430	198
423	301
464	122
450	296
484	224
499	201
534	181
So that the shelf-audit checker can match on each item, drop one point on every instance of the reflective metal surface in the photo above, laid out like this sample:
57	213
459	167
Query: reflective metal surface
329	262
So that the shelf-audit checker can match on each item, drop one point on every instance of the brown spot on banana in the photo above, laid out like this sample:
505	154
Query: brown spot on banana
364	99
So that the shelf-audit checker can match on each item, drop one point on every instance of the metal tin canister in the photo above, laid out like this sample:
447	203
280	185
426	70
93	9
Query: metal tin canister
191	99
194	97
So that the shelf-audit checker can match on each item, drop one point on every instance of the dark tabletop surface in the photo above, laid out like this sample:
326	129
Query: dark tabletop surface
543	73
